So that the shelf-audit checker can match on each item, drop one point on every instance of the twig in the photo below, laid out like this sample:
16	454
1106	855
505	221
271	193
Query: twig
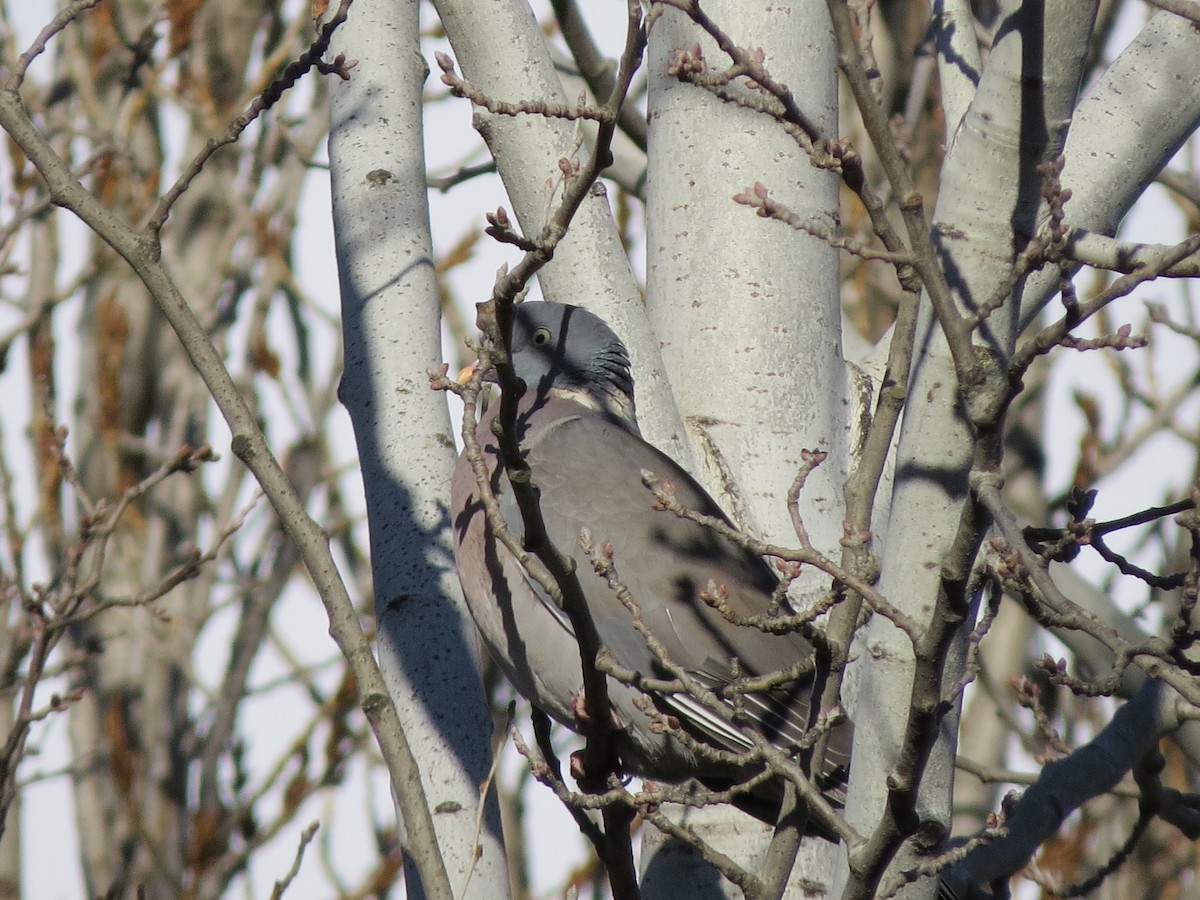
306	837
595	69
1051	606
1052	335
463	89
57	24
310	59
726	865
759	198
995	830
484	788
750	65
1061	543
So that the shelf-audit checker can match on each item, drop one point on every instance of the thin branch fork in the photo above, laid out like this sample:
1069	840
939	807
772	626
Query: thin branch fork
1155	656
295	70
750	64
1053	335
749	883
595	69
1079	532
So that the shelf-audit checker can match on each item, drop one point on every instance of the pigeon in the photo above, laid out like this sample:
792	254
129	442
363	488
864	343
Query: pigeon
578	432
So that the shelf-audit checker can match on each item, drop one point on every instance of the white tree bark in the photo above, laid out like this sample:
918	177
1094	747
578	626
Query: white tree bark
747	313
428	647
957	58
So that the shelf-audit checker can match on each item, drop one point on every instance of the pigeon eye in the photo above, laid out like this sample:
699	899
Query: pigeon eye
541	336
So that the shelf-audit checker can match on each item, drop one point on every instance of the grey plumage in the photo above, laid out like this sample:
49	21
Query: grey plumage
578	432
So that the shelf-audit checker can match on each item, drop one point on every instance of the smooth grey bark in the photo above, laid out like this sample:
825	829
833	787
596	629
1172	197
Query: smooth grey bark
747	314
428	648
958	61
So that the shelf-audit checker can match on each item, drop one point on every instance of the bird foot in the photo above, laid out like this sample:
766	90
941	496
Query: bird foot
588	725
585	722
589	783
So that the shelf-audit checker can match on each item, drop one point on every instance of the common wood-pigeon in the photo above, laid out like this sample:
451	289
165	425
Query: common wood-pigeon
579	434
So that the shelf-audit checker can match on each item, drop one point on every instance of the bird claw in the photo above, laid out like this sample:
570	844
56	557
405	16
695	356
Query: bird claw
588	782
586	724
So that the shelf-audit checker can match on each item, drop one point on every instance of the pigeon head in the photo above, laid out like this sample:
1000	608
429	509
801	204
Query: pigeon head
565	350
